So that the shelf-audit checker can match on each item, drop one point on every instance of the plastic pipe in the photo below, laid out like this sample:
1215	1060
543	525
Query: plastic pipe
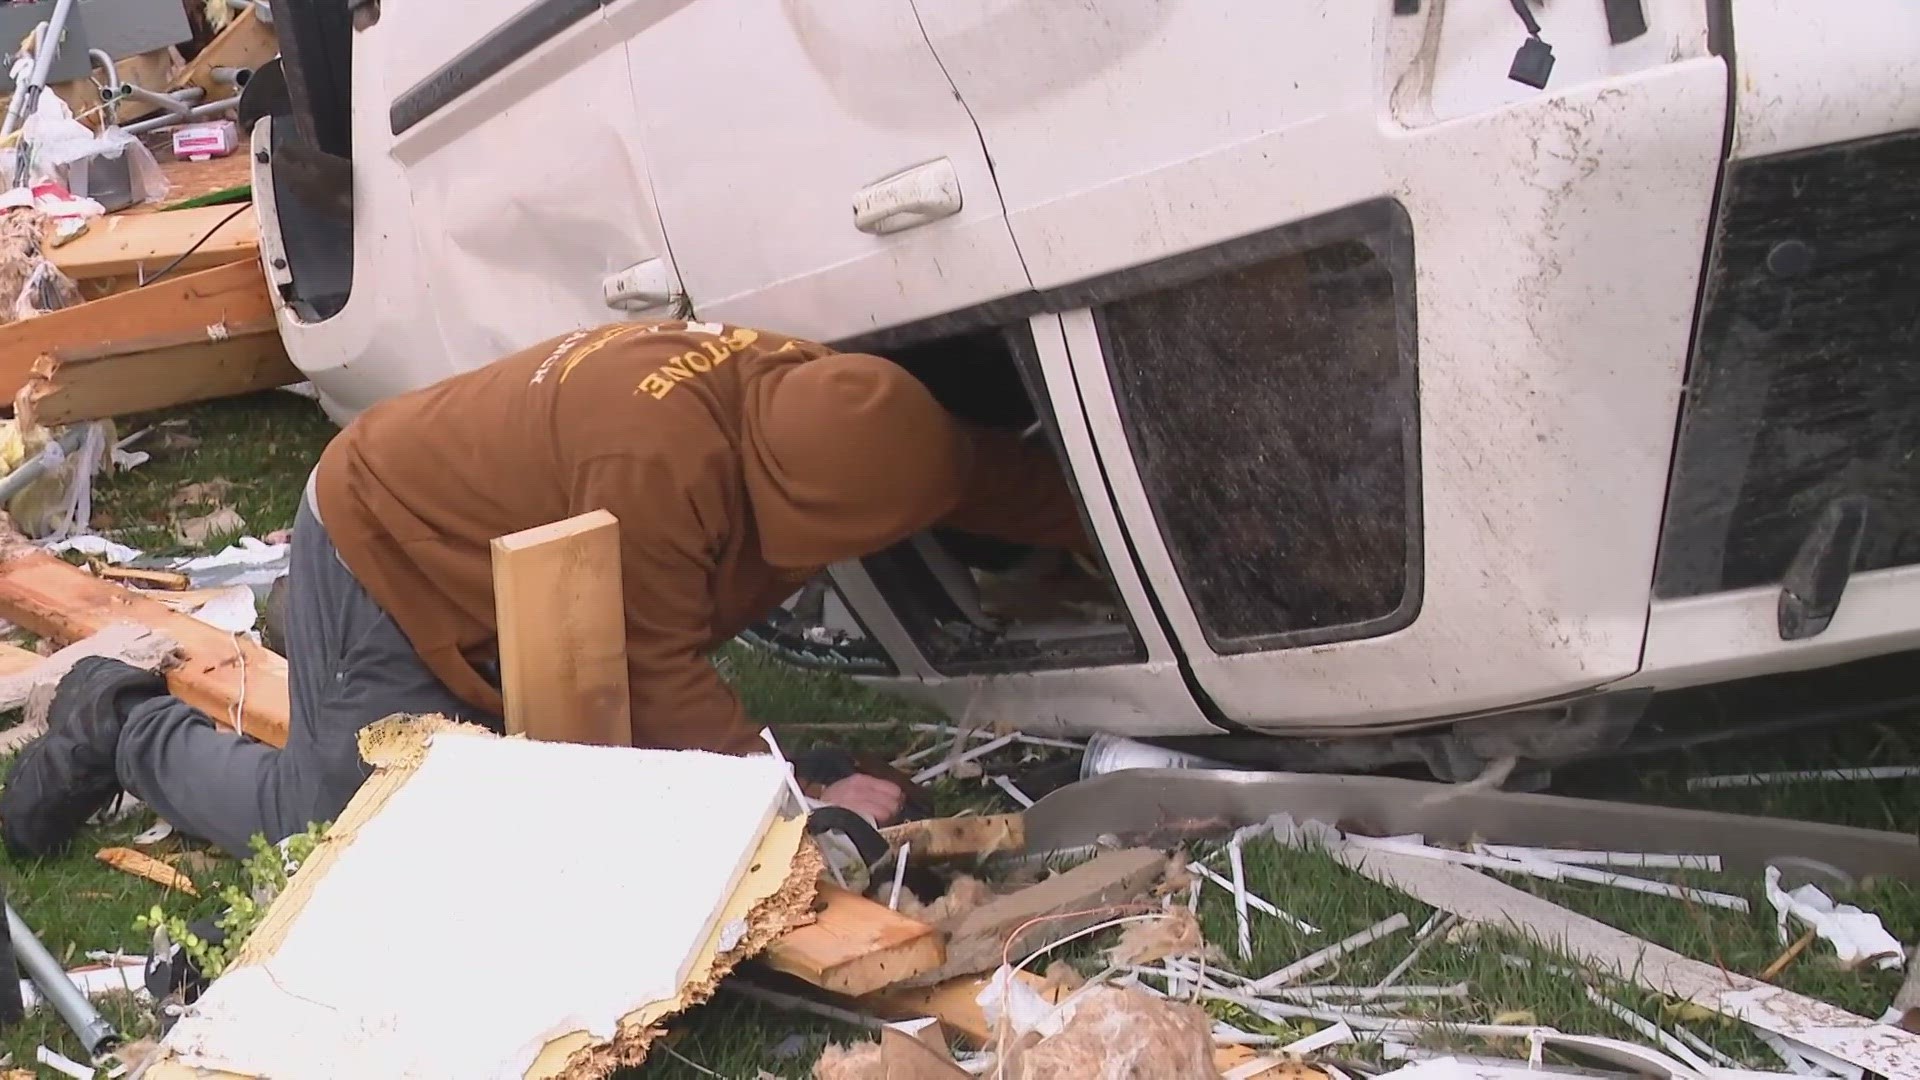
179	102
198	112
57	989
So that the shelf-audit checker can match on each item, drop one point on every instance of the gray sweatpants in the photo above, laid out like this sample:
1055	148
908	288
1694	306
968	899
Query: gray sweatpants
348	666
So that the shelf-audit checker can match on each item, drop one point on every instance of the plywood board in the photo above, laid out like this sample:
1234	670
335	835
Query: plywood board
582	887
229	677
128	245
563	631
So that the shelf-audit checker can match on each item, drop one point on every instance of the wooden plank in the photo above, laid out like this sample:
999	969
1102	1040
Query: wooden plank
147	579
179	306
246	42
856	946
71	386
217	673
563	631
960	837
1006	928
129	244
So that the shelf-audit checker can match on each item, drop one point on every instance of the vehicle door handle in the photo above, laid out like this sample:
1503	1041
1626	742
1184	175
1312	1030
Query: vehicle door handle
908	199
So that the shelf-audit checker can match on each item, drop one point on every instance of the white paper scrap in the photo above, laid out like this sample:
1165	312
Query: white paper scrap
1857	936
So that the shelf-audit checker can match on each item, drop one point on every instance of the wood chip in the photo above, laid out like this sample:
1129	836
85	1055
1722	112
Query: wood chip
142	865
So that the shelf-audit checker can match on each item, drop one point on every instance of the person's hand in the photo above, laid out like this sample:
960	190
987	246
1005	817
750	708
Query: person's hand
879	801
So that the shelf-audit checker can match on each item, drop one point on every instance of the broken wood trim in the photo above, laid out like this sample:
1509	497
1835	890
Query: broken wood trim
1008	928
562	629
235	295
857	946
960	837
217	671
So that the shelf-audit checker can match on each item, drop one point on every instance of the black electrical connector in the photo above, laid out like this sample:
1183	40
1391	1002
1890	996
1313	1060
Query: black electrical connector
1533	63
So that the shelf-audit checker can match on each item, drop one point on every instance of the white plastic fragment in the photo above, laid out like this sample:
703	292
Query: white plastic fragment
899	876
1857	936
941	767
248	561
1254	901
1737	780
232	609
1642	860
1648	1029
1243	927
98	547
1398	921
160	831
1336	1035
59	1062
1013	791
1549	871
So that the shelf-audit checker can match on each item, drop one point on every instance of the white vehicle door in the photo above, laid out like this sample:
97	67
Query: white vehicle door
517	130
1330	283
1791	532
813	166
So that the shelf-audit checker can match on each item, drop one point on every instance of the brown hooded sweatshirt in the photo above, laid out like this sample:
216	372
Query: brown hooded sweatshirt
738	462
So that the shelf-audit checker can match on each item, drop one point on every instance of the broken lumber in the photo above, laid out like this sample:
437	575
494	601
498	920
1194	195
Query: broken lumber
246	42
856	946
1479	899
1007	929
126	642
73	385
562	629
237	683
165	580
227	297
128	245
960	837
142	865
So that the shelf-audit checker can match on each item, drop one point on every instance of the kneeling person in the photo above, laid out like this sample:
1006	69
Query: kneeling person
739	464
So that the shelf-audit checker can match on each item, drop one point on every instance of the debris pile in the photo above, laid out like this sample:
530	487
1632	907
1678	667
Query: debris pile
130	276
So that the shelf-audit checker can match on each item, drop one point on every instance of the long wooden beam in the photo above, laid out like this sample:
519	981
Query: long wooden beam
236	682
74	385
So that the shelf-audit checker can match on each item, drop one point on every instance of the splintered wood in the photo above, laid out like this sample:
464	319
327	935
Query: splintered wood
183	339
236	682
856	946
142	865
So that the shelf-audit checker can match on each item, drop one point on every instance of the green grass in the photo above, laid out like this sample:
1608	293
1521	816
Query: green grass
266	444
